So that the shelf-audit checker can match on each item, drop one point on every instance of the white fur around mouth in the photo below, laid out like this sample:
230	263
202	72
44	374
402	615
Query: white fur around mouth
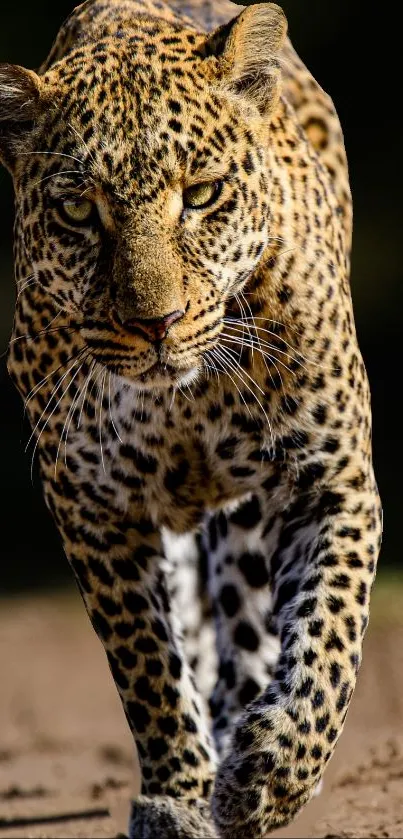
167	376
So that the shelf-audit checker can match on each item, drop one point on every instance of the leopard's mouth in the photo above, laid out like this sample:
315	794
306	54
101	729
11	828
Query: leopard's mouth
157	370
159	373
166	375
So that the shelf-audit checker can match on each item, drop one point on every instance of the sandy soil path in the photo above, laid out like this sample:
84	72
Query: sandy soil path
66	761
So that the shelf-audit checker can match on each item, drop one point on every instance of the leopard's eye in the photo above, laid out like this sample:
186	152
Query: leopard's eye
77	210
199	196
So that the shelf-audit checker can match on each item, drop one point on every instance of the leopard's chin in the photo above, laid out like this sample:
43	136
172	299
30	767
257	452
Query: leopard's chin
163	377
166	375
158	375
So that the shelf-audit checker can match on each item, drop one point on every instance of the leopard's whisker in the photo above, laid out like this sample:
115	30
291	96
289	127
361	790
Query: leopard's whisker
238	367
174	392
181	391
230	323
101	399
256	334
288	250
64	172
25	279
57	315
239	321
277	239
51	154
243	313
252	345
65	326
245	372
71	409
245	318
232	339
265	355
26	285
96	380
269	320
53	393
210	366
85	388
110	408
223	362
40	384
48	418
81	139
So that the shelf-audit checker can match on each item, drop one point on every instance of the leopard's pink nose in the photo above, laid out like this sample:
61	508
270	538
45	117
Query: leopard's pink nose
153	329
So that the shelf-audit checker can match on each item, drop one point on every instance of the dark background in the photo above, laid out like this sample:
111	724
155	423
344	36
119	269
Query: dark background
350	48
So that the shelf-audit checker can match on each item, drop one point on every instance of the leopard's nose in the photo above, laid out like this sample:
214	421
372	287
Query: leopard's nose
153	329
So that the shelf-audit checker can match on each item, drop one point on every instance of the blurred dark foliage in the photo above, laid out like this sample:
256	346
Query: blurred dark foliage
349	46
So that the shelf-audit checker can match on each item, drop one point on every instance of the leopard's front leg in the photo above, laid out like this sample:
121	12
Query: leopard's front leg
321	568
119	566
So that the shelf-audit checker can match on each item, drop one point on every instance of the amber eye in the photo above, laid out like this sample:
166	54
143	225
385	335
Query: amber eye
199	196
77	210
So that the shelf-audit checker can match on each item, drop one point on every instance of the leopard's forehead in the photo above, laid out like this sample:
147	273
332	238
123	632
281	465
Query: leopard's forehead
150	110
136	80
135	59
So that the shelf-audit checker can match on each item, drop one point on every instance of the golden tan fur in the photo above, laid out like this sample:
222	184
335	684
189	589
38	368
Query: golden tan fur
242	422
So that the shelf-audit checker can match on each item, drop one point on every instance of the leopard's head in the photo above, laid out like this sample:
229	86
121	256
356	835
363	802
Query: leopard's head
142	181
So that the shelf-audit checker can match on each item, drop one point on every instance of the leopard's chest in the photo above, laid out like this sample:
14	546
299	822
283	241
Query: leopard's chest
170	462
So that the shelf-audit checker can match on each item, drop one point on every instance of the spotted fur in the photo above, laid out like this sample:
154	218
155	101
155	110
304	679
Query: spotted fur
199	406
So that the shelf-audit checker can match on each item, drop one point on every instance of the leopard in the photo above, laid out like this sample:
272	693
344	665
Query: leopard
185	347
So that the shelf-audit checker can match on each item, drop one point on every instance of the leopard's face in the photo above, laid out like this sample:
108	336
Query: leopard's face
146	195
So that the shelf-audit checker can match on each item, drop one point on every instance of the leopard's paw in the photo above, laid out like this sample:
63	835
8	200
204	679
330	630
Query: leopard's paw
161	816
251	800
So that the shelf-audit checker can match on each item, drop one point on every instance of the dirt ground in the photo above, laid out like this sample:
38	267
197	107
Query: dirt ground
66	760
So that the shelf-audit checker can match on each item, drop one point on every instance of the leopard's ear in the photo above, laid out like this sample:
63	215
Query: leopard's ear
247	48
20	96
